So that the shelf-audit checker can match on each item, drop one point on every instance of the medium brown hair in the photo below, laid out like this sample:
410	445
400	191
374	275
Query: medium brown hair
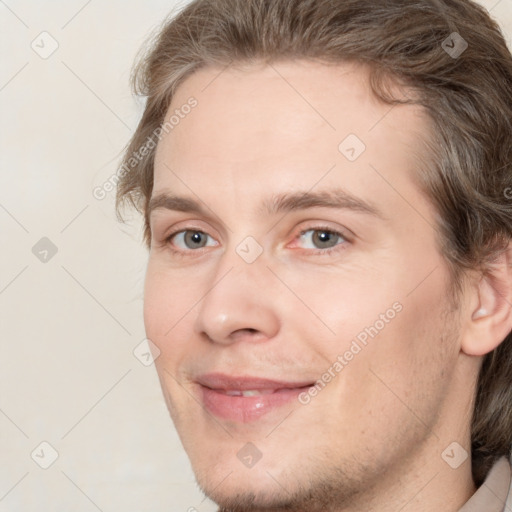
468	98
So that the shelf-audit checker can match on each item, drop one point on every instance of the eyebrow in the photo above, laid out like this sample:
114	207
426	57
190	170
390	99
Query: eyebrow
281	203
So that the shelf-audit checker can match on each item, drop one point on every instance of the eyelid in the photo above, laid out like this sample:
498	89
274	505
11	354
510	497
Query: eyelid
173	222
172	234
189	254
187	225
324	226
346	239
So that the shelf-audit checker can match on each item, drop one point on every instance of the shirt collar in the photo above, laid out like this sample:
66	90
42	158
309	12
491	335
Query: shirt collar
492	495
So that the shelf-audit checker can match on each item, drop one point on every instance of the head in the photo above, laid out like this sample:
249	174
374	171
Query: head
324	191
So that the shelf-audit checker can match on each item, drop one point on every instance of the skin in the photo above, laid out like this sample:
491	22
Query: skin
372	438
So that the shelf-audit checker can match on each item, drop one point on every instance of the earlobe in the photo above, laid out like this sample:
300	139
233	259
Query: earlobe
491	314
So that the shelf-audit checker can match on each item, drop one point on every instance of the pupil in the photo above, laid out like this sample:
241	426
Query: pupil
323	239
195	238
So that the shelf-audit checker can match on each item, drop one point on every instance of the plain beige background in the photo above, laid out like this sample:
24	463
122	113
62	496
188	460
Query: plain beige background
73	373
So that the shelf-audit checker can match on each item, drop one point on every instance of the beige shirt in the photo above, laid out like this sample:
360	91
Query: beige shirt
495	494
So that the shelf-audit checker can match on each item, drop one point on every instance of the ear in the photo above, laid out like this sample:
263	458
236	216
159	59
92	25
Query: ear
490	315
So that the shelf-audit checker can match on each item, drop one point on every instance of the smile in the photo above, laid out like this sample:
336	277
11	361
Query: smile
246	399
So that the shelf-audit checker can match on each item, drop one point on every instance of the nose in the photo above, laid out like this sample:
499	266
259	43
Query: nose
239	304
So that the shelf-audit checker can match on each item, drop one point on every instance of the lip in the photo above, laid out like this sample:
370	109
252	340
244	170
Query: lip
245	409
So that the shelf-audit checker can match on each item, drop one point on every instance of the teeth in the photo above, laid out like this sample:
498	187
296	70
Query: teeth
248	392
251	393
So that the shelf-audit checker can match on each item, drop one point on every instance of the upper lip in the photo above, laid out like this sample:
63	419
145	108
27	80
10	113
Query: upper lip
246	383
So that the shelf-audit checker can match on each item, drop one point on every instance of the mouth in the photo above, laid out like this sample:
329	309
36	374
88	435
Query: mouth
245	399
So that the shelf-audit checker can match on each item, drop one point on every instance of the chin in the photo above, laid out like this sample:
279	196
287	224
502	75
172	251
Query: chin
248	499
237	488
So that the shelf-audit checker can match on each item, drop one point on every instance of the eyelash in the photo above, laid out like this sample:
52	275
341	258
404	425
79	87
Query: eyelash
328	251
321	252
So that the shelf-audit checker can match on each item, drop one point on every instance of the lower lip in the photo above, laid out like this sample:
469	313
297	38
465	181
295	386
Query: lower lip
245	409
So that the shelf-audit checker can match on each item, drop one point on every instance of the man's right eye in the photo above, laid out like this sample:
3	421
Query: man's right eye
190	239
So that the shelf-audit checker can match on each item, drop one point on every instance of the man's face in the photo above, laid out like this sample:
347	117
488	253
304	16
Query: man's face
308	258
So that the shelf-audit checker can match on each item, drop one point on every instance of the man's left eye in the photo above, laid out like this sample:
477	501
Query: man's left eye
321	239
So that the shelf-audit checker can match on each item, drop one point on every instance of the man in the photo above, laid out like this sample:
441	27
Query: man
326	193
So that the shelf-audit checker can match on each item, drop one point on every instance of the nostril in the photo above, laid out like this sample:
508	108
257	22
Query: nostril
248	332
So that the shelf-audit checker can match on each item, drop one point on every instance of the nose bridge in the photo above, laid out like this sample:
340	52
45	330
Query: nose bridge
237	299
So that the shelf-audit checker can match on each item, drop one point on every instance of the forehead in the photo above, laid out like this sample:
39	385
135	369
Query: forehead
284	124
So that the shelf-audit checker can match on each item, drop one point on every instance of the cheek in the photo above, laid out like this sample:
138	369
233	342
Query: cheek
168	293
168	308
392	388
338	303
408	359
157	304
380	318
